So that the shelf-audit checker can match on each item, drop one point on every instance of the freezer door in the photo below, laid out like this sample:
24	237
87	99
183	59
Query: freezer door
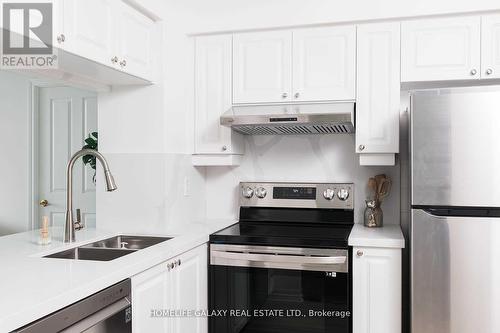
455	264
455	138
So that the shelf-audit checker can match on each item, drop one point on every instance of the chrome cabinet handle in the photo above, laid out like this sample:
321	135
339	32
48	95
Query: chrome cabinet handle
123	63
284	95
297	95
359	253
473	71
361	147
489	71
178	262
114	60
61	38
224	148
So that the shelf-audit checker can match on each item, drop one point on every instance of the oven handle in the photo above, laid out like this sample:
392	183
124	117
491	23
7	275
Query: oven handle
277	258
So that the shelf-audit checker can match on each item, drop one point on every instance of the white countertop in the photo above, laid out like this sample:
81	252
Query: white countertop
388	236
32	287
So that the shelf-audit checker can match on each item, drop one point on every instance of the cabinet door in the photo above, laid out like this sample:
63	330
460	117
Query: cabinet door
324	64
134	41
213	96
376	290
441	49
188	287
262	67
150	292
378	88
88	29
490	47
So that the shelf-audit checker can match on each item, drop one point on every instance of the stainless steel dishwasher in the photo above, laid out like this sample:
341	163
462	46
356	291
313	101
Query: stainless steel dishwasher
108	310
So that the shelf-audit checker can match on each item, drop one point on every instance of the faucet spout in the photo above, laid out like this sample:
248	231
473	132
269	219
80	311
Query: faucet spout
69	227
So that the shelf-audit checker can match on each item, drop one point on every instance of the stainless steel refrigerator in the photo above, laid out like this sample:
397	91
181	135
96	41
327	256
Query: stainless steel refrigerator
455	216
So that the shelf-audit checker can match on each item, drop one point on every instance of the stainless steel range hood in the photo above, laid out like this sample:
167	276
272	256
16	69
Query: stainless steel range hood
290	119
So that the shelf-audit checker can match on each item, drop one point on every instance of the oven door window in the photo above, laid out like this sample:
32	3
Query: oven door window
251	300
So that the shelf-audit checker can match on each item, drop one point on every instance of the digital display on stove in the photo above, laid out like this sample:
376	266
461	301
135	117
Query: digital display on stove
299	193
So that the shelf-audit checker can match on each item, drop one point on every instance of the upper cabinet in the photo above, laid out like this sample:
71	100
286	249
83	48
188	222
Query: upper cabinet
441	49
262	67
316	64
490	47
89	38
108	32
378	93
214	144
324	64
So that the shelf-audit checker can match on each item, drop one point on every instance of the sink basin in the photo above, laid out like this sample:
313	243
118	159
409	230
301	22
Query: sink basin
82	253
110	248
127	242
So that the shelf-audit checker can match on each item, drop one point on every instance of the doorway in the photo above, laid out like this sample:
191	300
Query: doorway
63	118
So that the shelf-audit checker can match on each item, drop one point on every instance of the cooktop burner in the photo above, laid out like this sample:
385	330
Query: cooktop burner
279	234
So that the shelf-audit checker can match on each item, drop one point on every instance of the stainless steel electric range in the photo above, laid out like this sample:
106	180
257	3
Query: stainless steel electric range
286	265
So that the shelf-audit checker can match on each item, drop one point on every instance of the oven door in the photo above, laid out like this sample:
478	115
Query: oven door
279	289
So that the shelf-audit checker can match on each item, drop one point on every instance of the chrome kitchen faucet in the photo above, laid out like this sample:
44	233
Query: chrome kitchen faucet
69	227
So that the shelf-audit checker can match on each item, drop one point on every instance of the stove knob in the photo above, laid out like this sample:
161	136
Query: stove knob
343	194
329	194
247	192
261	192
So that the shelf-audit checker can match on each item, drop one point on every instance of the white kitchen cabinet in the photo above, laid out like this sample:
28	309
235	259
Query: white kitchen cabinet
313	64
324	64
107	32
88	29
441	49
262	67
134	41
214	144
490	46
177	284
378	93
376	290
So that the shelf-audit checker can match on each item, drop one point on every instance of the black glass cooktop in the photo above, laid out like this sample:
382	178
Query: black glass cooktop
288	227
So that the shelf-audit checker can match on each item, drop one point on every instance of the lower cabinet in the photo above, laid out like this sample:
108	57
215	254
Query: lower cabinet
376	290
165	297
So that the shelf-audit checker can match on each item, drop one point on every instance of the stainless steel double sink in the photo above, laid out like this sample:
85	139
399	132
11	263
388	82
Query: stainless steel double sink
110	248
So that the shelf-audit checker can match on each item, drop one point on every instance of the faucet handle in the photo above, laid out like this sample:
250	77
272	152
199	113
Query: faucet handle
78	222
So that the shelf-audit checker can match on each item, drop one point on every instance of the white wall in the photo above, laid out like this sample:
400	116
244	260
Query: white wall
14	152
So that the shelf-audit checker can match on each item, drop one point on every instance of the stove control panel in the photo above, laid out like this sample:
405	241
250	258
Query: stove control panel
297	195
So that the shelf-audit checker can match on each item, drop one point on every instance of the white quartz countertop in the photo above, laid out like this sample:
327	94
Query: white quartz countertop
32	287
389	236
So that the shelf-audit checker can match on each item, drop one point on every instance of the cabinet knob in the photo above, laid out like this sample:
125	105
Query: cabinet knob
297	95
178	262
359	253
473	71
361	147
44	203
489	71
224	148
284	95
114	60
123	63
61	38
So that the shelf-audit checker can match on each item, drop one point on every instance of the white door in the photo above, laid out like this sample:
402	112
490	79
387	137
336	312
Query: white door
376	289
378	88
134	41
149	293
189	291
490	47
324	64
65	116
88	29
213	96
262	67
441	49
